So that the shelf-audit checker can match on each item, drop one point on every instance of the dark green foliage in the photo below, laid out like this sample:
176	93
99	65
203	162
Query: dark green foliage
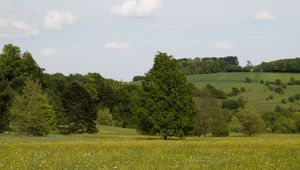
234	91
291	99
293	81
138	78
31	112
79	115
285	65
283	101
296	118
262	82
243	89
124	113
5	101
230	104
209	117
219	126
279	90
270	119
205	106
251	121
209	65
219	94
285	125
278	82
297	96
166	102
248	80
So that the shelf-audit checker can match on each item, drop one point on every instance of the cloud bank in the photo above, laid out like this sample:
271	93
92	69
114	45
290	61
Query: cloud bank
116	46
16	29
137	8
264	16
56	20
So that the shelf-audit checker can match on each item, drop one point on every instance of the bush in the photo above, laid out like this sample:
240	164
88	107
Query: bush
279	90
291	99
271	97
297	96
104	117
285	125
234	91
283	101
278	82
243	89
251	121
248	80
219	94
262	82
235	125
230	104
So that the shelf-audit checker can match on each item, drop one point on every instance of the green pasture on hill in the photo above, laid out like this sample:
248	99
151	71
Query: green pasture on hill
256	93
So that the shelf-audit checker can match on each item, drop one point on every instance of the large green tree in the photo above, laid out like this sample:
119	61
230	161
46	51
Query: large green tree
31	112
251	121
166	102
79	112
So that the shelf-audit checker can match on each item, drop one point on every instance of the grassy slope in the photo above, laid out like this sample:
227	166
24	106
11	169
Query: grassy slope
256	93
116	148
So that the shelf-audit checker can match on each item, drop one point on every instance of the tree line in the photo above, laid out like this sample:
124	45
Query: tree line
165	104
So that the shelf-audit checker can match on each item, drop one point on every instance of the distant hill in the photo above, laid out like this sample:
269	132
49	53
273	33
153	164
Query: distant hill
256	93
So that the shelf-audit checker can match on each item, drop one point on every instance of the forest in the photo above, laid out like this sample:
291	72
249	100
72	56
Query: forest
164	103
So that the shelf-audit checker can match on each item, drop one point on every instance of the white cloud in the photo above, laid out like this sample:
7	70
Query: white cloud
16	29
56	20
137	8
48	52
264	16
116	46
223	45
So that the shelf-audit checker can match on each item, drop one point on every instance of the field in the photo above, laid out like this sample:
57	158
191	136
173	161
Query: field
256	93
116	148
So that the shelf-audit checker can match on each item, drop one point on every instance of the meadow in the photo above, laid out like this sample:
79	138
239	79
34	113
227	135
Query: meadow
256	93
117	148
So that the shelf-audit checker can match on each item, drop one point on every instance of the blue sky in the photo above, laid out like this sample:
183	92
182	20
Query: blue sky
119	38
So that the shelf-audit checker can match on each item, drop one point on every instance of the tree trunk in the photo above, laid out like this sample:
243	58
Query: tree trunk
165	137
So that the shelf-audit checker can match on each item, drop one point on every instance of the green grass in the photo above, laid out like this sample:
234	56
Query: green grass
256	93
117	148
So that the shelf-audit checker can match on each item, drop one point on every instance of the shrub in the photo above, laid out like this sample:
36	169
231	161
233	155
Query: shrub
243	89
262	82
234	91
251	121
285	125
248	80
104	117
297	96
271	97
230	104
291	99
283	101
279	90
278	82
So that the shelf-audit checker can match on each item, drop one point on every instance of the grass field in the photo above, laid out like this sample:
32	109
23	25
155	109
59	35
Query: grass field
256	93
116	148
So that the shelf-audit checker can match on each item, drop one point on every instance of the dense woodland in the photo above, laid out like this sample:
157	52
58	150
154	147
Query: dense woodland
231	64
35	103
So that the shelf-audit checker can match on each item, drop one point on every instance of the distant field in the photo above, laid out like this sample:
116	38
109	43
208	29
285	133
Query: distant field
116	148
256	93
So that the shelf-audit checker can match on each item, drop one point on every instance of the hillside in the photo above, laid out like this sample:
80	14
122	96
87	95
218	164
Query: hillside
256	93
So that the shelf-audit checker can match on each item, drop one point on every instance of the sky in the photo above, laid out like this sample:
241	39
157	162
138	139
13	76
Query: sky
119	38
